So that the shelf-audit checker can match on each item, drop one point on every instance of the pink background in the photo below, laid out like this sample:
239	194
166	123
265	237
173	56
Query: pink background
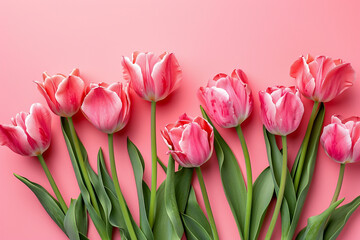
208	37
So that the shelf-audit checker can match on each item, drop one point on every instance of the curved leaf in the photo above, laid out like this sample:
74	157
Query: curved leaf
170	199
138	165
97	219
316	224
275	161
339	218
163	228
75	221
308	169
50	204
195	222
231	175
263	191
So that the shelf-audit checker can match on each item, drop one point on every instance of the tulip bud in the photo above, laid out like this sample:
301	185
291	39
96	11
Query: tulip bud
322	79
63	94
227	99
281	109
152	77
30	133
107	107
341	139
191	141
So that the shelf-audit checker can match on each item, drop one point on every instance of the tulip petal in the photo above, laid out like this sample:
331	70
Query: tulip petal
132	73
70	94
304	79
268	112
15	138
102	108
289	112
337	142
166	75
182	159
195	144
356	151
52	105
38	126
337	80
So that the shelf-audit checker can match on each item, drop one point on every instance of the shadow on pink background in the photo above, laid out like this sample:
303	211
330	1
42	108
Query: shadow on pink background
207	37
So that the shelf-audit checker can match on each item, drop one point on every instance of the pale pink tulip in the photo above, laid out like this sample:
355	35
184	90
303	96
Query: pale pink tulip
30	133
341	139
107	107
152	77
191	141
63	94
322	78
227	99
281	109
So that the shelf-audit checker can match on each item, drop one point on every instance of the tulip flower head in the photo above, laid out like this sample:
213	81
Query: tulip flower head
227	99
107	107
322	78
341	139
152	77
281	109
63	94
191	141
29	134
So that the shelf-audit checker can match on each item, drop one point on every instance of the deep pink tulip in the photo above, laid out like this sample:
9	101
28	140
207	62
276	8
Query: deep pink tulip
30	133
64	94
341	139
152	77
191	141
107	107
281	109
227	99
322	78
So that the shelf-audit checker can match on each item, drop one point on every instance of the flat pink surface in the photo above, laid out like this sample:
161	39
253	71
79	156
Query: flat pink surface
207	37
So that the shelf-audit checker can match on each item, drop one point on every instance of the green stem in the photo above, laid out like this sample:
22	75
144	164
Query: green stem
249	181
119	194
153	165
280	195
207	203
53	184
82	165
305	145
339	183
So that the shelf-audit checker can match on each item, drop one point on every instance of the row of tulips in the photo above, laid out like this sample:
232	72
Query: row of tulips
171	210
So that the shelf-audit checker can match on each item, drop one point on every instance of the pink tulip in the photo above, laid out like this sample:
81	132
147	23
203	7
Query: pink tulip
152	77
64	94
191	141
228	100
281	109
107	107
322	79
30	133
341	139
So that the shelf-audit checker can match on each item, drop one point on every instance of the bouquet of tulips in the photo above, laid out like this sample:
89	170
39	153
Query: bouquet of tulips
171	210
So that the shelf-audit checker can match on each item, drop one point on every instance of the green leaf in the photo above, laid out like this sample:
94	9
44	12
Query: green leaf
103	199
117	219
275	161
138	165
97	219
339	218
316	224
163	228
75	222
50	204
308	169
195	222
231	176
263	192
170	199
